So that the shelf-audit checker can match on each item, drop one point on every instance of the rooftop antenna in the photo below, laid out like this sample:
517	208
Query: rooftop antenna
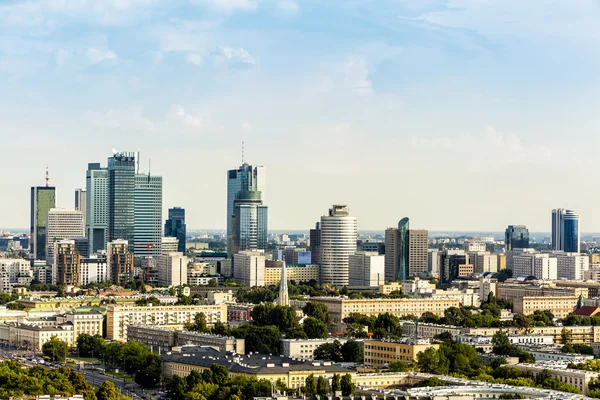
242	152
149	164
47	176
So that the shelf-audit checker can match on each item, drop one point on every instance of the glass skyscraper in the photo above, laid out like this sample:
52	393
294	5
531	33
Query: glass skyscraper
249	223
96	207
175	227
121	196
43	198
402	249
147	215
516	237
565	230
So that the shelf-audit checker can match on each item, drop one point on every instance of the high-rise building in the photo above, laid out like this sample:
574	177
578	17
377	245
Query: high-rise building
147	219
249	223
571	266
450	262
94	270
175	227
62	224
338	241
516	237
283	298
565	230
483	261
249	268
96	213
43	198
246	178
433	265
169	245
315	244
172	269
120	261
417	251
121	197
81	202
366	269
397	252
66	263
530	263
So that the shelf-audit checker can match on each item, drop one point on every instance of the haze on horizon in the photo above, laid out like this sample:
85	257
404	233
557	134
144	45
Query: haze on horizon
462	115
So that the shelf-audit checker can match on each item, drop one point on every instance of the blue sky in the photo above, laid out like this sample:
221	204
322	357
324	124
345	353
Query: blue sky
463	115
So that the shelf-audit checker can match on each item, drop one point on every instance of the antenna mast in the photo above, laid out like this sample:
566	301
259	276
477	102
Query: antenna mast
47	176
242	152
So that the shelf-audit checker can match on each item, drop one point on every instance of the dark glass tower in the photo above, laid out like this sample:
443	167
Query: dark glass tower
43	198
121	196
565	230
175	227
315	244
449	265
402	249
516	237
249	223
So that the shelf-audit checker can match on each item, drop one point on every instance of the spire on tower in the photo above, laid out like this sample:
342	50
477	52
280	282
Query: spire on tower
283	299
47	177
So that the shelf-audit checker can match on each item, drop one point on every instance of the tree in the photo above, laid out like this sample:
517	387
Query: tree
199	324
149	374
348	387
259	339
89	346
177	388
322	387
430	382
315	329
398	366
329	352
56	349
148	300
565	336
317	310
353	351
108	391
336	385
310	386
212	282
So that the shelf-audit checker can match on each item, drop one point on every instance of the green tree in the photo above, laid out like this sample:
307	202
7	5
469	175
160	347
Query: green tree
315	329
108	391
329	352
149	374
430	382
322	387
353	351
348	387
56	349
89	345
398	366
259	339
177	388
565	336
317	310
199	324
336	384
213	282
310	386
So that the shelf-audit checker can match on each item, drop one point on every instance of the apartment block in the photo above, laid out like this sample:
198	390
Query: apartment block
304	349
379	353
511	292
294	272
560	306
249	268
417	251
366	269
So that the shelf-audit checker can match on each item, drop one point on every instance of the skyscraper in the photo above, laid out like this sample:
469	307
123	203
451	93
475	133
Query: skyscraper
417	251
121	197
397	251
516	237
245	178
338	241
450	261
80	202
147	208
175	227
96	213
66	266
565	230
120	261
249	223
62	224
315	244
43	198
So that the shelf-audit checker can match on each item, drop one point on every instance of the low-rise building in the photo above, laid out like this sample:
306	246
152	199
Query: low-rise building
304	348
560	306
429	331
33	337
379	353
239	312
578	378
416	287
553	353
118	317
485	342
391	287
294	272
512	291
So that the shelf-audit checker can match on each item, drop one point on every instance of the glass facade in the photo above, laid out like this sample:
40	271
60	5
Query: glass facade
147	215
449	266
43	198
96	207
175	227
516	237
249	223
571	235
402	248
565	230
121	196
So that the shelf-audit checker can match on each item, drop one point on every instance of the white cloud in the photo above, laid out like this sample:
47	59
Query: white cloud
196	121
246	126
125	118
228	6
288	7
350	76
233	57
194	58
95	55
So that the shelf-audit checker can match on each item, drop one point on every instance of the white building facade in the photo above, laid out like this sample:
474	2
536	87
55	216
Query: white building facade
366	269
338	242
249	268
172	269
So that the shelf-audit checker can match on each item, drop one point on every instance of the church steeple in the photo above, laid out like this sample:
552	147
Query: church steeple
283	298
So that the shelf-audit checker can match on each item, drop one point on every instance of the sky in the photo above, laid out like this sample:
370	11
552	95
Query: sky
460	114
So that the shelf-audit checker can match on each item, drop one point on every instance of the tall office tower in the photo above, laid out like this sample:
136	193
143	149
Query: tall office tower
172	269
283	298
417	251
397	251
249	223
366	269
433	265
483	261
450	262
96	213
244	179
43	198
120	261
338	241
121	197
62	224
315	244
516	237
147	215
249	268
565	230
175	227
66	263
81	202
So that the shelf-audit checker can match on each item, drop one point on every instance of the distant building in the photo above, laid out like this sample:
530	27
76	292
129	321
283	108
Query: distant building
528	262
433	261
169	245
96	207
249	268
249	223
14	272
559	306
121	197
366	269
417	252
397	251
81	202
315	244
516	237
43	198
94	269
450	262
62	224
304	349
120	261
483	261
379	353
172	269
571	265
175	227
147	215
66	263
295	272
338	241
565	231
